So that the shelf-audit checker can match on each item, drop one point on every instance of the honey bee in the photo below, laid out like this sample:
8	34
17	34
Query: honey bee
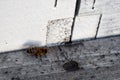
37	51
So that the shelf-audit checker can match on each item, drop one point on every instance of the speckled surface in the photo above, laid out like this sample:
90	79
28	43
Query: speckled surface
97	59
58	31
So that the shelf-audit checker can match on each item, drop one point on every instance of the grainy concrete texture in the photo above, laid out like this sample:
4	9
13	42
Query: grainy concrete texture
98	60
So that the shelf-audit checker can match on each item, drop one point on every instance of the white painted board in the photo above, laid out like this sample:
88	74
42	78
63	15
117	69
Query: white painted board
110	25
86	7
64	9
23	23
85	27
107	6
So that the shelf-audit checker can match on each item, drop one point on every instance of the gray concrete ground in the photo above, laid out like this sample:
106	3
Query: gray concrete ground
98	60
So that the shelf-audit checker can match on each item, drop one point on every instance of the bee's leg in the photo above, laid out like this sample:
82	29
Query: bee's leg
36	55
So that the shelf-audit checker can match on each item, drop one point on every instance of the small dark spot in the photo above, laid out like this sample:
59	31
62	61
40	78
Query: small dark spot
107	67
111	60
27	51
6	72
81	68
109	48
45	51
92	77
15	78
112	39
92	7
52	68
16	60
63	61
116	54
96	49
71	66
55	61
42	72
97	68
19	69
102	56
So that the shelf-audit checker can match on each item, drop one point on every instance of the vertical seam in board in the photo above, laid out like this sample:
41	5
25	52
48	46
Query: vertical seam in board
98	26
55	4
93	6
77	8
46	33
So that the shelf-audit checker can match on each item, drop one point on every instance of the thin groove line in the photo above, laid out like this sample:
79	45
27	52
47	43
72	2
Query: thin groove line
77	7
93	4
47	32
72	29
55	5
98	26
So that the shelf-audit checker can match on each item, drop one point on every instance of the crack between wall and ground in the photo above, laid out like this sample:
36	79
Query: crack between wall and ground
98	26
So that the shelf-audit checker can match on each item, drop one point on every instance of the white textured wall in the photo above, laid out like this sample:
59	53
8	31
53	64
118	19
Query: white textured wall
23	23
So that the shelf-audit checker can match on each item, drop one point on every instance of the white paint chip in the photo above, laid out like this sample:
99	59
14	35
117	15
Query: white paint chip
110	25
59	31
85	27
